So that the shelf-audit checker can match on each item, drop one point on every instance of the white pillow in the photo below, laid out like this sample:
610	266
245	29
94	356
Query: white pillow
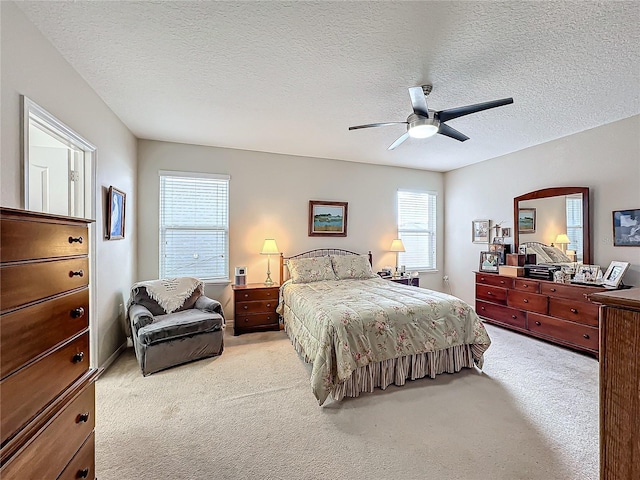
556	255
307	270
352	266
541	255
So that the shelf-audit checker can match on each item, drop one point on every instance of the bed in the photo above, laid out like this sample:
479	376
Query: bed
548	255
361	331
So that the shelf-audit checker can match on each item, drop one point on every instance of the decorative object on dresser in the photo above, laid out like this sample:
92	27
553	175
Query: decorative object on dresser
501	249
115	214
397	246
269	248
615	272
255	308
47	399
171	321
555	312
520	259
489	262
619	374
480	231
327	219
626	228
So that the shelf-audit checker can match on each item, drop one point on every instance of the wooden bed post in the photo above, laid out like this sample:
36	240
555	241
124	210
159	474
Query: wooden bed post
281	268
370	258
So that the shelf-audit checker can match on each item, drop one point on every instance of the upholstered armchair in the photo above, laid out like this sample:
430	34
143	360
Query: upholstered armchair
171	322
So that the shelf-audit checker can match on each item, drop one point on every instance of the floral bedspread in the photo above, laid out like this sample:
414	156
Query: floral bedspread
346	324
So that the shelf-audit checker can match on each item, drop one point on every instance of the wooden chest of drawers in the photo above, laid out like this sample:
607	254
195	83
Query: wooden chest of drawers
255	308
47	398
560	313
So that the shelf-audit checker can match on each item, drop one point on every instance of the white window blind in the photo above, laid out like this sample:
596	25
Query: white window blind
574	224
194	225
417	229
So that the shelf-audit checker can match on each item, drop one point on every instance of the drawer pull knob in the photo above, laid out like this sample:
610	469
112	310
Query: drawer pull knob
525	285
78	357
514	316
502	282
84	473
538	323
79	273
246	295
75	239
269	317
586	335
489	293
268	305
553	289
526	300
246	320
573	310
482	308
246	307
482	279
83	418
77	312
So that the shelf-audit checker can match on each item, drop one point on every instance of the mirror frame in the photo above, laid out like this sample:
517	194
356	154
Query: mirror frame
554	192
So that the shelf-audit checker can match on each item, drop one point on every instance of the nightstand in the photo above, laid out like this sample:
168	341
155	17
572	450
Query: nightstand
255	308
412	281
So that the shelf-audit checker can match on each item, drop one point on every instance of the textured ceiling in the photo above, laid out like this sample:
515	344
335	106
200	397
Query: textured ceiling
291	77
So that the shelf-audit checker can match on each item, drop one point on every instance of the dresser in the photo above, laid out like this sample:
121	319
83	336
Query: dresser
557	312
619	384
255	308
47	399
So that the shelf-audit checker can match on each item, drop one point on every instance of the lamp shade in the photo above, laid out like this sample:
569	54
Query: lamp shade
562	239
397	246
269	247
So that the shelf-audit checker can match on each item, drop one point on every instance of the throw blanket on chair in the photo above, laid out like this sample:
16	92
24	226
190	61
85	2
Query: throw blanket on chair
171	293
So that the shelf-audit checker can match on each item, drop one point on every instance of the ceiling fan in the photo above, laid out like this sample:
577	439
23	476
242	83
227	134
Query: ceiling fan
423	123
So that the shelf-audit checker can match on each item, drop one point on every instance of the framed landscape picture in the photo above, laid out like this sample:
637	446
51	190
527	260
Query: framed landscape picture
327	219
626	228
527	220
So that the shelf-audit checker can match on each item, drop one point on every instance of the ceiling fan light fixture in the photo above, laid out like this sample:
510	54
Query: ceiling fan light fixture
423	131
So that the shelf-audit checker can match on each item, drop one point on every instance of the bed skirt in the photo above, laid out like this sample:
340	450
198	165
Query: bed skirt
398	370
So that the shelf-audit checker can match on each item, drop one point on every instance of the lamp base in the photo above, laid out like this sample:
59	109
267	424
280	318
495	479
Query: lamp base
268	282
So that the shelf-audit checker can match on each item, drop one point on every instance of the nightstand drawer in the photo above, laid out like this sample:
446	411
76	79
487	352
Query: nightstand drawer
256	307
256	320
257	294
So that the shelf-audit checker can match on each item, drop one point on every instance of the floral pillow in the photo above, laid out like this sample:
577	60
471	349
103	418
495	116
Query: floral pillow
352	266
307	270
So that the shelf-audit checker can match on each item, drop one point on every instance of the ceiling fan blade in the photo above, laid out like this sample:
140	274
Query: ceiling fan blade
376	125
451	132
400	139
419	101
451	113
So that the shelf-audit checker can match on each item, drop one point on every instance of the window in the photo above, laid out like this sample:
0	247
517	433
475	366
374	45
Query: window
194	225
417	229
574	223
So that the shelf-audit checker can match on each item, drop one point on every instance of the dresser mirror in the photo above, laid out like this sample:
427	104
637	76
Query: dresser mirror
544	215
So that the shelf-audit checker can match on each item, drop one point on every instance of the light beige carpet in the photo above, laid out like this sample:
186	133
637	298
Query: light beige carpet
250	414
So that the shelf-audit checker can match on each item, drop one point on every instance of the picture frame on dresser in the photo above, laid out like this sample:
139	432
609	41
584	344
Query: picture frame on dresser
489	262
613	276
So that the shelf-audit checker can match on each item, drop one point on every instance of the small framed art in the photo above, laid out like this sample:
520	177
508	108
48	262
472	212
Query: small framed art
527	220
626	228
480	231
615	272
115	214
489	261
327	219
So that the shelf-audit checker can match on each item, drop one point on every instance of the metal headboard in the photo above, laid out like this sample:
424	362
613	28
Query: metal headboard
318	252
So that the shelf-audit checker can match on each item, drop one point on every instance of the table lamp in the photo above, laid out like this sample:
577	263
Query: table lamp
397	246
563	240
269	248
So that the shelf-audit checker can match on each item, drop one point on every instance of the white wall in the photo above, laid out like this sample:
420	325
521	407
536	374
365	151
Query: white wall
269	198
32	67
605	159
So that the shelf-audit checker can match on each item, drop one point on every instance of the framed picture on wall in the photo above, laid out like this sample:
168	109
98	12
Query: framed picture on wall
115	214
327	219
480	231
527	220
626	228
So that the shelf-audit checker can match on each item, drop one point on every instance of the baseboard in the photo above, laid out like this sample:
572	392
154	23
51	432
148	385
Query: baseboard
112	358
